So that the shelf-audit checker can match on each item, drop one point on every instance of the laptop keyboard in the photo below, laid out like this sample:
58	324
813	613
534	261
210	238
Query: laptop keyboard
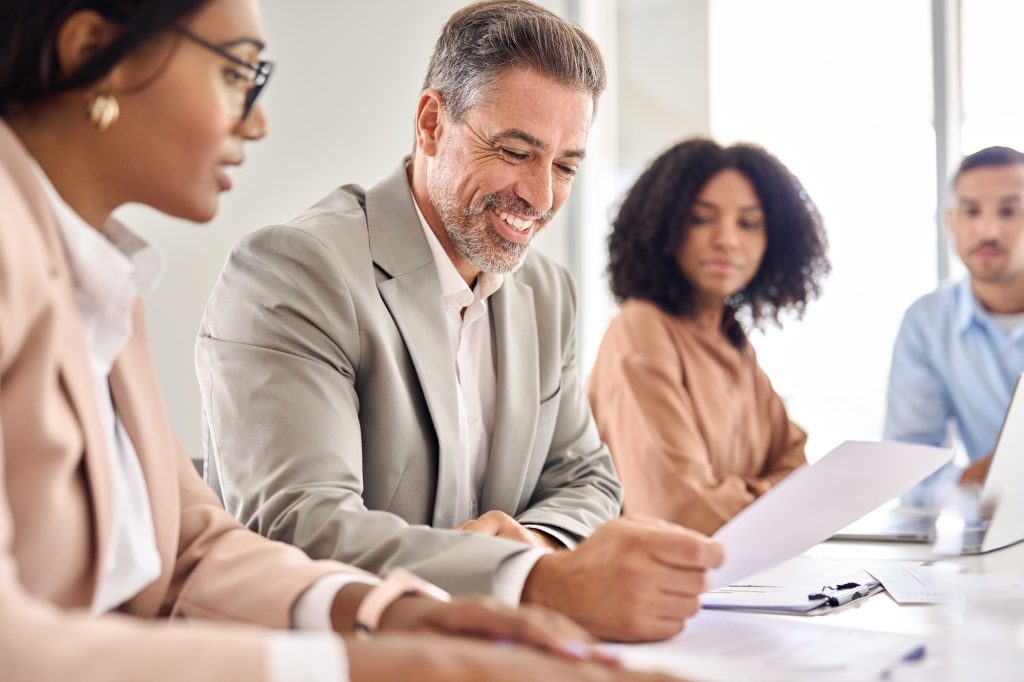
921	525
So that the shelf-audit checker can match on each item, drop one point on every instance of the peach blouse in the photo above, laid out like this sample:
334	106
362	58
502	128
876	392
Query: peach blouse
696	430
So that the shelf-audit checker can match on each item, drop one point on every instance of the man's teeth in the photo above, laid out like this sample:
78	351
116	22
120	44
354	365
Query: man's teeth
521	225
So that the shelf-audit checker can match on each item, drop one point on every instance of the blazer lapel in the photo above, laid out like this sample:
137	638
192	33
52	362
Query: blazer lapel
81	389
412	294
518	394
75	374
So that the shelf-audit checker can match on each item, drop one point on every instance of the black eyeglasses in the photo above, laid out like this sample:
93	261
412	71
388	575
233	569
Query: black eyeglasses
259	73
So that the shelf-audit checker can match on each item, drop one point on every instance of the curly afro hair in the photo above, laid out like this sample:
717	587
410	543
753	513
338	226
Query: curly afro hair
654	217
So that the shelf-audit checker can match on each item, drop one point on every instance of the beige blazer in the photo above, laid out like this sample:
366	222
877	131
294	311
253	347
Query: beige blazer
55	499
329	395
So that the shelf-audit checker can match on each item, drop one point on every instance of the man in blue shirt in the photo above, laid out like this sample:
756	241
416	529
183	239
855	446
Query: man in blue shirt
960	349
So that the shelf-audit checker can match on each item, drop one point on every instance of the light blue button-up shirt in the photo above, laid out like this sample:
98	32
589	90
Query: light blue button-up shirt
953	364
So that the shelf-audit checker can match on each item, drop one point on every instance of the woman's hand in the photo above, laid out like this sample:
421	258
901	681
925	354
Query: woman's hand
486	618
427	657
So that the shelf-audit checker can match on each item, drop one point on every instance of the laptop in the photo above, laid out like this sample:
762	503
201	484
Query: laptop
1000	522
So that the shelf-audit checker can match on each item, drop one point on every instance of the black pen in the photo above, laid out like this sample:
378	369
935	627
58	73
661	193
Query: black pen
845	593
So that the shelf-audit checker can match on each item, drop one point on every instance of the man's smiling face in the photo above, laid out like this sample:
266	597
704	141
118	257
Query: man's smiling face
501	173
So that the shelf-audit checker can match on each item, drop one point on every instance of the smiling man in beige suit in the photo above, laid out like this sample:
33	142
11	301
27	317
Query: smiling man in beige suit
393	368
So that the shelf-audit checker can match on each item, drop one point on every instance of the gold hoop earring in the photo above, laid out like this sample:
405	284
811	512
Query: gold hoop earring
103	111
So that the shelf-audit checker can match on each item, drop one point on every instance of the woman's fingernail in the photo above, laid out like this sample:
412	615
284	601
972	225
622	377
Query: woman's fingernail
578	649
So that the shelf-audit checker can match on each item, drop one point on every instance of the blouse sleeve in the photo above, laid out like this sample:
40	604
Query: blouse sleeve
786	451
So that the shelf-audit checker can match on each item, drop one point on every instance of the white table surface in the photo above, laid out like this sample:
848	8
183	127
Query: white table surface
881	612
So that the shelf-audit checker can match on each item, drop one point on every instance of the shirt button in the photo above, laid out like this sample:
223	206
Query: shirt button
473	419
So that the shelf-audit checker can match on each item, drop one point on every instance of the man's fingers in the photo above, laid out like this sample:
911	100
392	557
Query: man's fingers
684	548
686	583
678	610
670	543
482	525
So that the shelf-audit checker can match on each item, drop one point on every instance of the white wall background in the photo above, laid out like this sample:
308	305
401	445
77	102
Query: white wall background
834	88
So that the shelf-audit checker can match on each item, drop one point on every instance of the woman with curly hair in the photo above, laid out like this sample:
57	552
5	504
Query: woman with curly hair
710	241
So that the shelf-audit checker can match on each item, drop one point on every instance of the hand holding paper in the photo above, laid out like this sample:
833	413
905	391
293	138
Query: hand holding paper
816	501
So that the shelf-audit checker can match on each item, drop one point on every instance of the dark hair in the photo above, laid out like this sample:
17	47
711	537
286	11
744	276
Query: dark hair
481	40
29	71
654	218
989	157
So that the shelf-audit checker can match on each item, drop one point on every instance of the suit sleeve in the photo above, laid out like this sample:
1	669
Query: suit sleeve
578	489
276	362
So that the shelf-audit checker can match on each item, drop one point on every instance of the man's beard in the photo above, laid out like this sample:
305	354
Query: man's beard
472	234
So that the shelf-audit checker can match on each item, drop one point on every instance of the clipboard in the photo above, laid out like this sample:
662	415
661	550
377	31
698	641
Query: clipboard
788	600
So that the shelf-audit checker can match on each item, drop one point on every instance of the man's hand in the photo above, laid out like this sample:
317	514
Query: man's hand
431	658
632	580
502	525
975	474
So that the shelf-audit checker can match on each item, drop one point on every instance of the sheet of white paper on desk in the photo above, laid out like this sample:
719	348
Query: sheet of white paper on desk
761	598
719	646
994	587
785	588
909	584
815	501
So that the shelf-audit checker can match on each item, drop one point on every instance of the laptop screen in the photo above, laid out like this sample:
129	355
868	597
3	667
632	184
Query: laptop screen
1001	495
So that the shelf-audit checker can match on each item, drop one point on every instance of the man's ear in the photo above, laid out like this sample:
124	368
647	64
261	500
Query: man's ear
82	35
950	214
430	121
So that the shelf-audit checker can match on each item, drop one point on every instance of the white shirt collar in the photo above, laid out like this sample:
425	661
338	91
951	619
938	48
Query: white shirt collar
110	268
102	259
454	289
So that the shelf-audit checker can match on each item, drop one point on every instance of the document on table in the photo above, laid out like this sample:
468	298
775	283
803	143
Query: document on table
931	585
719	646
800	586
788	600
910	584
815	501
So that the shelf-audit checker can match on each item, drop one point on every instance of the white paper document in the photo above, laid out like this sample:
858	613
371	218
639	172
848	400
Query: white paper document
909	584
788	588
769	598
815	501
719	646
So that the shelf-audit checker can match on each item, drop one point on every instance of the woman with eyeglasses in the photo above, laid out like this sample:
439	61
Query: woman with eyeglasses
104	524
710	242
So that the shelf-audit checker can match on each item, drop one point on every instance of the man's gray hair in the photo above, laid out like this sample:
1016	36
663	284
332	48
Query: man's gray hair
481	40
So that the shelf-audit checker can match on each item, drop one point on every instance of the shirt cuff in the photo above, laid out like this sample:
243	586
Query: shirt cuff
569	541
312	611
306	657
511	575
